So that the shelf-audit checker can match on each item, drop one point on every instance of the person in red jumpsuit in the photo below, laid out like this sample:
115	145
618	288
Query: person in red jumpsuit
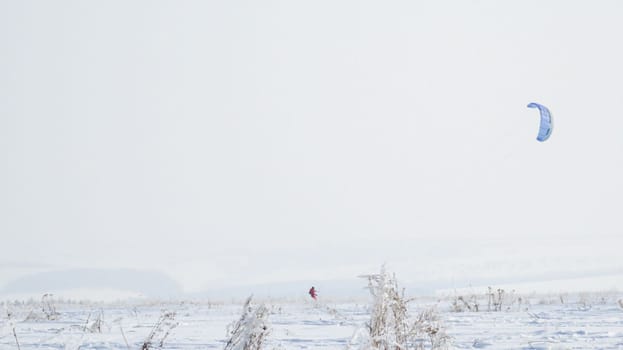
312	293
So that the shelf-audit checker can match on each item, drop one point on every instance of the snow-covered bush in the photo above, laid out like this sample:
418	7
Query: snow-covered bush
496	300
250	331
391	327
48	307
462	304
428	330
43	310
160	331
94	325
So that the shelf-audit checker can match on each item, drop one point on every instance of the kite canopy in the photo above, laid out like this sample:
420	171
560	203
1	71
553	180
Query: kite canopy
545	129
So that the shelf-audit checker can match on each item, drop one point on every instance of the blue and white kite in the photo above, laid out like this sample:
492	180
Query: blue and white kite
545	129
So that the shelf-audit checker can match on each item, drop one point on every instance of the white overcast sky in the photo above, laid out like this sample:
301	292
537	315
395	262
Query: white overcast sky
229	142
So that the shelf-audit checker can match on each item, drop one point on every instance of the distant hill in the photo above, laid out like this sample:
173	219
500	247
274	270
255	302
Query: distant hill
141	282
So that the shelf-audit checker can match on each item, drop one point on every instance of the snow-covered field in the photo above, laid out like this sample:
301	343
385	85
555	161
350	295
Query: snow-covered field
586	321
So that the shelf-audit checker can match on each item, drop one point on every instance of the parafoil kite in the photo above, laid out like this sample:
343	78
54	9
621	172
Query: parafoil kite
545	128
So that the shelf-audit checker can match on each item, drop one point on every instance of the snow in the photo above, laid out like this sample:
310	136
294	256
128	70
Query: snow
575	321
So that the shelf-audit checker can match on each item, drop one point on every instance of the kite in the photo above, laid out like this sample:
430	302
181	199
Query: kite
545	128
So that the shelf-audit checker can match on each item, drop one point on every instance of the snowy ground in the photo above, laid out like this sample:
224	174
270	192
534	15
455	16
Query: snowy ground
587	321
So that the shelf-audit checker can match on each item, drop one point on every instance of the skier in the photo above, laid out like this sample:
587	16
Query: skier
312	293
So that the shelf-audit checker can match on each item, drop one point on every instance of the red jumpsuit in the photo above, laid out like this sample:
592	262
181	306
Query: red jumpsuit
312	293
